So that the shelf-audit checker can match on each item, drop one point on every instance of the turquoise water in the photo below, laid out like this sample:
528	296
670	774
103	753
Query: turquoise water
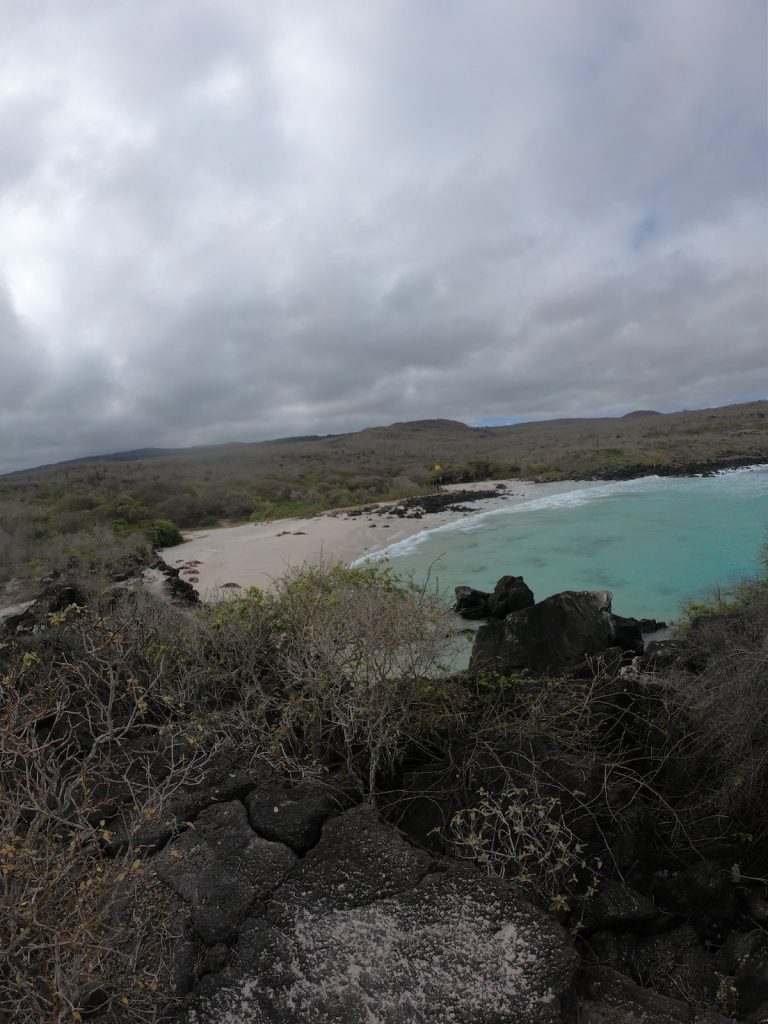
655	542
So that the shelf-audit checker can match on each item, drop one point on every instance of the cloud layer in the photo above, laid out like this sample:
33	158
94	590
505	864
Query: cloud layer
224	220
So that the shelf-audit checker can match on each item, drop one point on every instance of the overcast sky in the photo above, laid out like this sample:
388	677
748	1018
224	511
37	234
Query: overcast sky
239	219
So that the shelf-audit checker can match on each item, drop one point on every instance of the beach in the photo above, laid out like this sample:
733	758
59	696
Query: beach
220	561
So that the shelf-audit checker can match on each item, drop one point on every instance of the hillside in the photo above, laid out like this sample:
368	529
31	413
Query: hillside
149	491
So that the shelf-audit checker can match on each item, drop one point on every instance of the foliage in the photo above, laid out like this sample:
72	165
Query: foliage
524	836
126	702
471	471
87	718
164	534
353	656
205	486
718	711
98	551
266	509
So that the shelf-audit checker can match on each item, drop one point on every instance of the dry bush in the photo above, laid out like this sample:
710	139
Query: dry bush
95	740
114	710
522	834
547	789
350	661
717	696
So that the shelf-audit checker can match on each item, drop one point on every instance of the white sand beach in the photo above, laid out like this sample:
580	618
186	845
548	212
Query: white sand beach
254	555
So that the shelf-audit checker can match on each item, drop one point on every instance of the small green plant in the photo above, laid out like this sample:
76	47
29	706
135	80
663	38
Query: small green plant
522	835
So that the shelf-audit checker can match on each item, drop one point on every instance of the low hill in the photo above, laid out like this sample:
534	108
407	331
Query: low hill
205	486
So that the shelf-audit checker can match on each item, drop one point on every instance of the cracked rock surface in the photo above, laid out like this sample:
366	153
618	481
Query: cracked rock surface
367	929
220	867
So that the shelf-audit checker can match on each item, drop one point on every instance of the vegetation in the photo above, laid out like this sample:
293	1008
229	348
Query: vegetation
146	493
116	708
113	709
350	664
475	469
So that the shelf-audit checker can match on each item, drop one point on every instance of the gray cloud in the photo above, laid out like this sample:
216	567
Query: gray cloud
233	221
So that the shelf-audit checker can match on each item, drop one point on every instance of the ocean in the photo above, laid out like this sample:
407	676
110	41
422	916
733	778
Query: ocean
655	542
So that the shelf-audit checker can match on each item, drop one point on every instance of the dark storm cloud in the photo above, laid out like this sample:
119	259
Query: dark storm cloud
230	221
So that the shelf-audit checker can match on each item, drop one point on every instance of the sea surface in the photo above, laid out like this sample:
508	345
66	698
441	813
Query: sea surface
655	542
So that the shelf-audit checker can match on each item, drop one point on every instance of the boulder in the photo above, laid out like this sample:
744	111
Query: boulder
220	867
367	928
358	860
675	963
629	634
470	603
555	636
222	780
293	816
616	906
604	996
705	894
752	984
510	594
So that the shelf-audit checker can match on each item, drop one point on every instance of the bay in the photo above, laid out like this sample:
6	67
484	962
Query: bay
655	542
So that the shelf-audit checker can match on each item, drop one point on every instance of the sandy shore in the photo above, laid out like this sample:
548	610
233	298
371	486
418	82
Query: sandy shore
253	555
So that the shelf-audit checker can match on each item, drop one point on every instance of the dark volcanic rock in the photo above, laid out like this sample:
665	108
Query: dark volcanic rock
554	636
705	893
510	594
629	634
54	596
604	996
220	867
293	816
415	508
752	985
179	591
470	603
371	934
676	962
359	859
616	906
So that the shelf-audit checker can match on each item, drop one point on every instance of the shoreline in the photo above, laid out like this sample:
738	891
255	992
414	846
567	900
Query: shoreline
223	560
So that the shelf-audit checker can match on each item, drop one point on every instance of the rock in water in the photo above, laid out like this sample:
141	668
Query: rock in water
554	636
509	595
471	604
629	634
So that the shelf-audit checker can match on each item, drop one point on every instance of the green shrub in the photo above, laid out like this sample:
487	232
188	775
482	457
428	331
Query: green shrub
163	533
472	471
266	509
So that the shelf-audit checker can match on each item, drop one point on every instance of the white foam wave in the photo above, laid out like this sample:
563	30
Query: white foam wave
574	498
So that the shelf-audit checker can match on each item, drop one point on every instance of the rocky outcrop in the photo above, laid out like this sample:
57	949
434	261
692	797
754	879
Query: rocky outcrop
293	816
510	594
368	928
604	996
555	636
54	597
220	868
427	504
471	603
173	586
